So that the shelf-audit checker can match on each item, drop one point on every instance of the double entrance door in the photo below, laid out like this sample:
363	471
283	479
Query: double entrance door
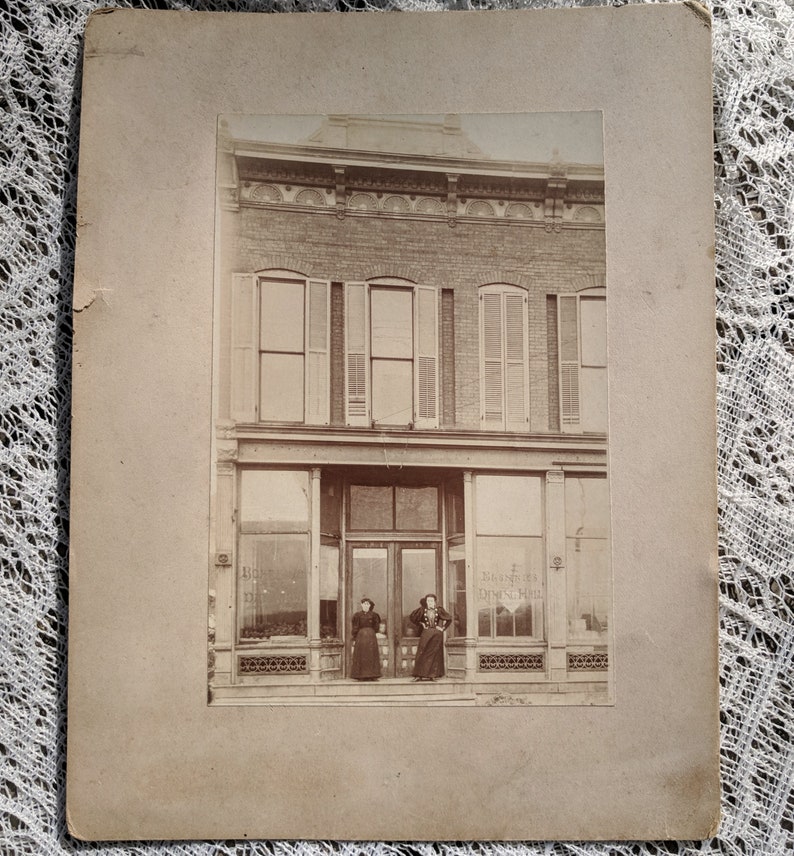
395	575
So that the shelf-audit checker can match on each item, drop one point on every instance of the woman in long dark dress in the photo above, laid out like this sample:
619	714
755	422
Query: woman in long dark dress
434	620
366	653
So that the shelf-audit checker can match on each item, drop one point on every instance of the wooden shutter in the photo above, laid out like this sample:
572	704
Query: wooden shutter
426	356
492	404
515	349
569	362
356	354
244	350
317	365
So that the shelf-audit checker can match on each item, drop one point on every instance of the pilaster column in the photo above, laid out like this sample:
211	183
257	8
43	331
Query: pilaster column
223	566
555	574
471	593
314	578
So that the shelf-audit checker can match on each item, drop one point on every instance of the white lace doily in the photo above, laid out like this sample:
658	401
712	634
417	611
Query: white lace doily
40	43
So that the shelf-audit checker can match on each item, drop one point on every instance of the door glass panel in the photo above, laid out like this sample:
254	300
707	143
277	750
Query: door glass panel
371	508
417	509
419	579
370	578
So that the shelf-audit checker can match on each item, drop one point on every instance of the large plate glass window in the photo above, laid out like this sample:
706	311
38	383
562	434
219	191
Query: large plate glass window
509	556
273	554
587	554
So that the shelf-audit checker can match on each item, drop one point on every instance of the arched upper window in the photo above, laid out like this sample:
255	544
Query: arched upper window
391	353
280	348
504	358
582	336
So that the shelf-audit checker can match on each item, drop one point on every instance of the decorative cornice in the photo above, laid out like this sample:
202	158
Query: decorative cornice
345	200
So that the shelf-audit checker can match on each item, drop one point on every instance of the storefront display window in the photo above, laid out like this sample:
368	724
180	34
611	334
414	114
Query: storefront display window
273	554
509	566
587	530
329	590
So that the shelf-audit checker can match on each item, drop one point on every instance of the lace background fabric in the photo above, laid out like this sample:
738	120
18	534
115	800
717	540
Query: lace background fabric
753	46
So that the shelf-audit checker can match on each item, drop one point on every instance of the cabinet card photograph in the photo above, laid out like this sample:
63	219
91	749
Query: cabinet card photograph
410	483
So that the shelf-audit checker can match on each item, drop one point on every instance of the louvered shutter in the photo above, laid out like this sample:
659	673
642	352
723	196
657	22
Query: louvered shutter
426	369
515	338
244	350
356	356
569	362
318	380
492	403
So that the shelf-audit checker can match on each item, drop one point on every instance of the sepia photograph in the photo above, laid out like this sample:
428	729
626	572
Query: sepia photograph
410	486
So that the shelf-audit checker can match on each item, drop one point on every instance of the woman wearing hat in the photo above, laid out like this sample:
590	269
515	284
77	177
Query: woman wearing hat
434	620
366	654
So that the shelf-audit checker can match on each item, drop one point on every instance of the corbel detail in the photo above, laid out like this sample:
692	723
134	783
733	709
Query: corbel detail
341	201
452	198
556	186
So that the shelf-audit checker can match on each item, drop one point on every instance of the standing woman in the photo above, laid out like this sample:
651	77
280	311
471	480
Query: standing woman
366	653
434	620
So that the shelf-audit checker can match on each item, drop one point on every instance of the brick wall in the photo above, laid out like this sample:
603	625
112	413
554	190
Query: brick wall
459	258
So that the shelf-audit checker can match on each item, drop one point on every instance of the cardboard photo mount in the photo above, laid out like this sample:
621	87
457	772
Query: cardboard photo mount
147	757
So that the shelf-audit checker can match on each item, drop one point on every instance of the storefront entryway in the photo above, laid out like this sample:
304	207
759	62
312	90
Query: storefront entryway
395	575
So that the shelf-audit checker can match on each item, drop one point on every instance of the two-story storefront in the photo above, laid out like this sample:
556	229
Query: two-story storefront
410	397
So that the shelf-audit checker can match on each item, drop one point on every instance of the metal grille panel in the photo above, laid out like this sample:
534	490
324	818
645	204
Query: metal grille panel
511	662
587	662
273	665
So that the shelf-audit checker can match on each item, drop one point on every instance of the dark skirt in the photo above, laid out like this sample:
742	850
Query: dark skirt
366	655
429	662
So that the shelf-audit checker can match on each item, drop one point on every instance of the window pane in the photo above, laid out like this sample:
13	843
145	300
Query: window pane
278	500
330	505
271	585
569	349
510	586
456	559
419	579
588	589
371	508
586	507
417	508
281	320
369	578
392	323
329	591
508	505
593	399
281	388
392	392
593	311
455	512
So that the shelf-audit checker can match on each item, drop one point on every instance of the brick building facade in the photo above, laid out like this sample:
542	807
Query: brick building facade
410	396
